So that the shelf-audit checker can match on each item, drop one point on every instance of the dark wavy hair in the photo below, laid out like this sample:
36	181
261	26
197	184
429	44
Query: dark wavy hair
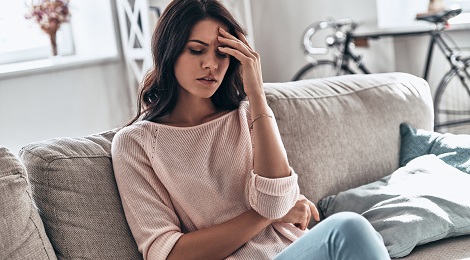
159	91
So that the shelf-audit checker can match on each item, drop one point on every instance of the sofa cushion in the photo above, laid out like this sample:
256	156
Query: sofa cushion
451	148
449	248
424	201
73	184
22	231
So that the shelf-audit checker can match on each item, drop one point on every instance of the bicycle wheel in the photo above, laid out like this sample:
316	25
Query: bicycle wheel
320	69
452	102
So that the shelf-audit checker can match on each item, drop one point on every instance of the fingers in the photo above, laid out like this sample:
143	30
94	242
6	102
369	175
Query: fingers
235	45
311	210
314	211
304	213
238	44
309	216
235	53
227	35
242	37
300	215
304	224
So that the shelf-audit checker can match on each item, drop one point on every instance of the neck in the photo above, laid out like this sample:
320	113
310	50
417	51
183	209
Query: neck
192	113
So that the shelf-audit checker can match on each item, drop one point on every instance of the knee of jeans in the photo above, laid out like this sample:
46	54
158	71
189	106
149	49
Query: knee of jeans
349	222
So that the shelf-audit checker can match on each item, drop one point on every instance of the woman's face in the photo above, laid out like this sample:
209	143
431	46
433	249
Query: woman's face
201	67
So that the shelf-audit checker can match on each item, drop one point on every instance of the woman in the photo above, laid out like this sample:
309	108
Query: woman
202	173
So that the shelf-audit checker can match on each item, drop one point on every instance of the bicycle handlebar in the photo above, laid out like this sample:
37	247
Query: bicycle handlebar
345	21
334	39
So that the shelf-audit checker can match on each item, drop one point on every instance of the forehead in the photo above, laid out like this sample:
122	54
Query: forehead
206	30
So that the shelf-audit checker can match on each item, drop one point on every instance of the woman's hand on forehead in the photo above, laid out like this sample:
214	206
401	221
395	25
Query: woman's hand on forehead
249	59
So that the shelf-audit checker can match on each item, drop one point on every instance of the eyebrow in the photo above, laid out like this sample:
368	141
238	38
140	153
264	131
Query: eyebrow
198	41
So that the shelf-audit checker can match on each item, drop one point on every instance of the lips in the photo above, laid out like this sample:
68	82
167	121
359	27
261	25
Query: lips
208	79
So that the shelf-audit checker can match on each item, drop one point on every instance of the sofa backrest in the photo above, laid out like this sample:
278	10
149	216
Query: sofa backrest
343	132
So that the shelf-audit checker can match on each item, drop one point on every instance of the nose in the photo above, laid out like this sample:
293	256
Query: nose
210	62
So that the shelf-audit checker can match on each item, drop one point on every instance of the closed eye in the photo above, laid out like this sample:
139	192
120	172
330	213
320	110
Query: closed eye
222	55
195	52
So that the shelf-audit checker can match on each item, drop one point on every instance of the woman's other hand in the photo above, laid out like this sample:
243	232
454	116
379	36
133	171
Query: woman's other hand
249	60
301	213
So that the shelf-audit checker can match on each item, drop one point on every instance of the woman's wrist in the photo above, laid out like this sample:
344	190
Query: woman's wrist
258	104
262	219
258	97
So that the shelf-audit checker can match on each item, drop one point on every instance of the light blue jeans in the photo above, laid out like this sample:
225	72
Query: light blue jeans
343	235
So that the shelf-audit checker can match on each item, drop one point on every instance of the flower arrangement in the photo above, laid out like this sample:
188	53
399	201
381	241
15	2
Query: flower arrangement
49	14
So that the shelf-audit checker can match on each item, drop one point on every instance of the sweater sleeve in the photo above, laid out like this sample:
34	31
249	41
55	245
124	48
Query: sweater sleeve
273	198
147	205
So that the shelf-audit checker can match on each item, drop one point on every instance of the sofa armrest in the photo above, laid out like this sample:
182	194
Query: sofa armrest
22	231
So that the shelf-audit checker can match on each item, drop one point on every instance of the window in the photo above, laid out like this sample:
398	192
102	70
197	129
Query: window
464	4
22	39
464	17
402	13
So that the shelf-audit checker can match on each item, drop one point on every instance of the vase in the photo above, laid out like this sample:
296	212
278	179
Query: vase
436	5
53	39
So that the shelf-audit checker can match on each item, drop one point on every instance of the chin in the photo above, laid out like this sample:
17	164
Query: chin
203	94
210	95
207	93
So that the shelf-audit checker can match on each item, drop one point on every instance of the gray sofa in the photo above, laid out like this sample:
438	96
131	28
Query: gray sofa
339	133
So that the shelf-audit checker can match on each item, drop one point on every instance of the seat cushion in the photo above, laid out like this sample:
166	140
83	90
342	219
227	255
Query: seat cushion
449	248
22	231
73	184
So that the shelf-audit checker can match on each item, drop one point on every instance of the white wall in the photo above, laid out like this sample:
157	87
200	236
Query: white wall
279	24
74	100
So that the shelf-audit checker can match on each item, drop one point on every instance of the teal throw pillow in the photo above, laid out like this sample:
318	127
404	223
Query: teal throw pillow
451	148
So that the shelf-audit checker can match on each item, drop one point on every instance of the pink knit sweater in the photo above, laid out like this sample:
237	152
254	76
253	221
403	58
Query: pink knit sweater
174	180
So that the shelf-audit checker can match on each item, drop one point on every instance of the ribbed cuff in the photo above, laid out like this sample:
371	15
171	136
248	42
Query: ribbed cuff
162	247
273	186
273	198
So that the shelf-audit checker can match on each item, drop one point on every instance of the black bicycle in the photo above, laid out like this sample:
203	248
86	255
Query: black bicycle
452	97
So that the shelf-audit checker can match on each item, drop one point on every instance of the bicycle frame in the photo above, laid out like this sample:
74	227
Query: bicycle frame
458	66
436	39
348	54
454	60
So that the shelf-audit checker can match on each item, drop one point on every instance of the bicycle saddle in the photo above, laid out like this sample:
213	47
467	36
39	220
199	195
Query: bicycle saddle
439	17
